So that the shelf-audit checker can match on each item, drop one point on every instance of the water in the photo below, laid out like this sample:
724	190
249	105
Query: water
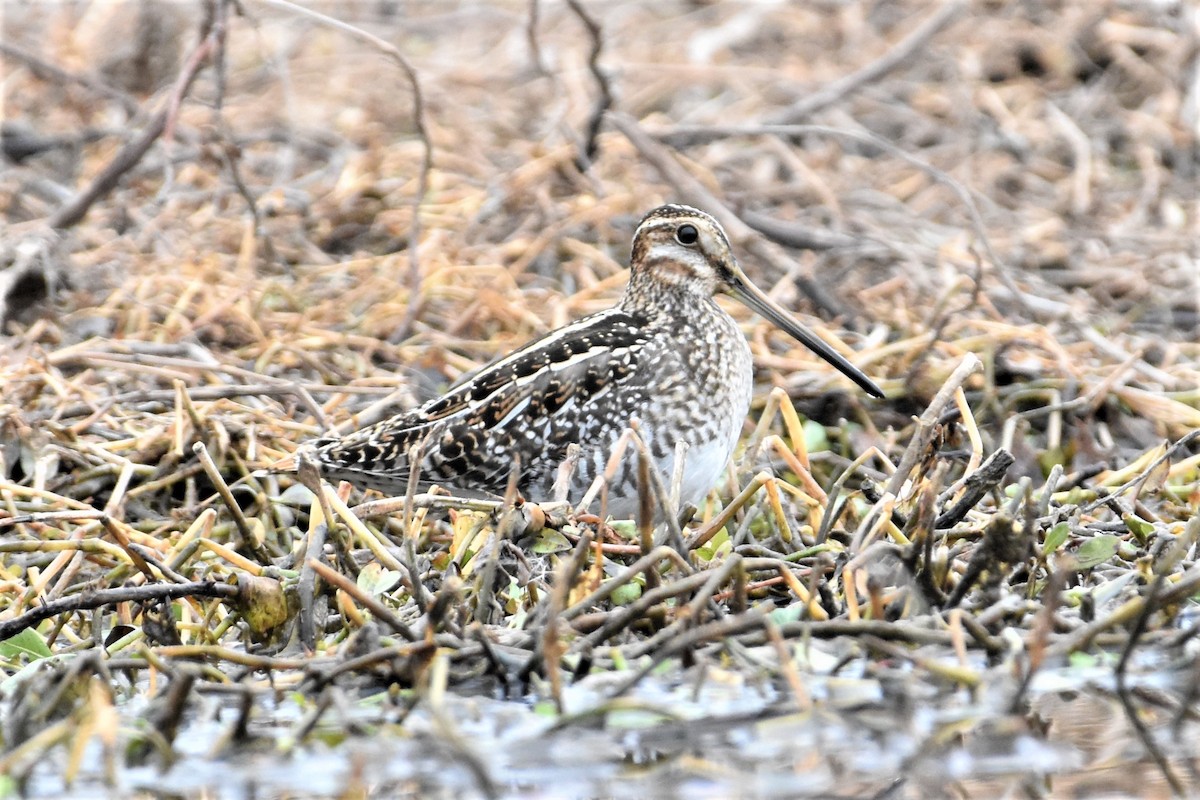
868	730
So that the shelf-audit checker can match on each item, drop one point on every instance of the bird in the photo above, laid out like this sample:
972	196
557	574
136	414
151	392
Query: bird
666	355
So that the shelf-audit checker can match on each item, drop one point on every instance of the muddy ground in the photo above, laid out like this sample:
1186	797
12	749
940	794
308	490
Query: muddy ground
232	226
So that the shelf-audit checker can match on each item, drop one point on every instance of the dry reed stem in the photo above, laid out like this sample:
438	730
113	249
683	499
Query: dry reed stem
142	404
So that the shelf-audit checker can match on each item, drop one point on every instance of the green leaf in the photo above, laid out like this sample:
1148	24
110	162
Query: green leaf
297	495
709	551
816	438
329	738
551	541
625	528
625	594
1049	459
792	613
374	579
1082	660
26	643
1139	527
1055	537
1097	550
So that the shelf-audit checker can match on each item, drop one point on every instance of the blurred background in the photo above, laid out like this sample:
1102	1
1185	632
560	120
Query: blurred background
238	196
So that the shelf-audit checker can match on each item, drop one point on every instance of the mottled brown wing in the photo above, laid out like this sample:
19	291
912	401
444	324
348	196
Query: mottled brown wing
528	405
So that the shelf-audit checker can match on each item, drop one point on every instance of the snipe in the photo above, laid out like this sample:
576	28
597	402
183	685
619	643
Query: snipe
666	355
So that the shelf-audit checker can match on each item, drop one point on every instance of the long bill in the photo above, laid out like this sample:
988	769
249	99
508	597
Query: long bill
757	301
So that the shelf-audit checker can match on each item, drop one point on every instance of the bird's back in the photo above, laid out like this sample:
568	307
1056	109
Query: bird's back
580	384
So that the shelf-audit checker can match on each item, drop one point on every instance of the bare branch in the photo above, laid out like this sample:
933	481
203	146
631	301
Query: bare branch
694	134
106	597
847	85
604	101
132	153
44	69
418	111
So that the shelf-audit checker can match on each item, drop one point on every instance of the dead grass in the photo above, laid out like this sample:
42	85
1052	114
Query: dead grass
1014	210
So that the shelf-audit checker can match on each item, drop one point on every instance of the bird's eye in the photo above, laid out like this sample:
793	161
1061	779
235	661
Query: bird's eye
687	234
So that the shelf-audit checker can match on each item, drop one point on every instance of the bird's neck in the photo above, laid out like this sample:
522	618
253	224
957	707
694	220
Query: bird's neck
663	303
